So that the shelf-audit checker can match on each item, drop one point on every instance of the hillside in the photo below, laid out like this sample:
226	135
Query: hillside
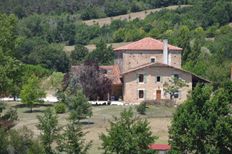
130	16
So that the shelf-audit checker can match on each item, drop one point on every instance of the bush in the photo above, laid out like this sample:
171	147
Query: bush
60	108
141	108
10	115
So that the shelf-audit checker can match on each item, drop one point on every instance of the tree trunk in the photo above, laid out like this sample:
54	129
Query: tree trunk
31	108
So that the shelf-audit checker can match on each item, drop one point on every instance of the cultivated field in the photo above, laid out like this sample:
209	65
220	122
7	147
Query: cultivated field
129	16
158	116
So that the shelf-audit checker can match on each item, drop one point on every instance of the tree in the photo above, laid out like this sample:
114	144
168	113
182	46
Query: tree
79	106
203	124
71	141
79	54
19	141
8	36
10	75
127	134
88	77
31	92
174	85
48	125
102	54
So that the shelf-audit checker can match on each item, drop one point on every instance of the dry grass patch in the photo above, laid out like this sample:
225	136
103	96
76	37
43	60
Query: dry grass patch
158	116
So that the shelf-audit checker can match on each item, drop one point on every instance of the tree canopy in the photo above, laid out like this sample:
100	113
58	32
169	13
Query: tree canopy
203	124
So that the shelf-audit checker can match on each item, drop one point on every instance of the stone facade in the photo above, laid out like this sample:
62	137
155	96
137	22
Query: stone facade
157	62
132	59
150	85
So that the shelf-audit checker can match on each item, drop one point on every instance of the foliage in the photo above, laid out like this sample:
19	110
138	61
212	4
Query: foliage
103	55
10	115
203	124
79	54
71	141
10	75
174	85
79	106
48	125
127	134
31	92
7	30
89	78
141	108
18	141
60	108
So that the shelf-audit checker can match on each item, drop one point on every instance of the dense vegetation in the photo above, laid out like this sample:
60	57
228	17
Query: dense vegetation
202	30
203	124
85	9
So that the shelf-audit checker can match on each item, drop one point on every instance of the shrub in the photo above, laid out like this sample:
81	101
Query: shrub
60	108
10	115
141	108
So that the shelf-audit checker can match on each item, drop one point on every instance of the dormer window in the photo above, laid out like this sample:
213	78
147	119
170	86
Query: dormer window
152	60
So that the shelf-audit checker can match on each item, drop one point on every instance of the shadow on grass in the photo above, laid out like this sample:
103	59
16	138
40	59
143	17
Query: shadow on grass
34	111
86	122
36	105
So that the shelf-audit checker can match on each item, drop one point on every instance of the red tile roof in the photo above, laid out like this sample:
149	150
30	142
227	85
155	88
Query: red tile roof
162	147
147	43
113	73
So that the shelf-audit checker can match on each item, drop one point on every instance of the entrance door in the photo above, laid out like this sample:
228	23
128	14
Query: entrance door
158	95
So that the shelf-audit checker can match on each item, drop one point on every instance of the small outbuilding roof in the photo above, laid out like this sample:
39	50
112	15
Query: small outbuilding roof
147	43
161	147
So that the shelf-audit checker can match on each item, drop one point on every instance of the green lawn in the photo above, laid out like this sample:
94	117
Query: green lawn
158	116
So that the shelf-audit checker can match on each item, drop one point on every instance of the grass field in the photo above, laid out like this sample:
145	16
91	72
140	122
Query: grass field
158	116
129	16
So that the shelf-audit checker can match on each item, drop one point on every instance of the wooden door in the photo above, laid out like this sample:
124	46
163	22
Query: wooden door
158	95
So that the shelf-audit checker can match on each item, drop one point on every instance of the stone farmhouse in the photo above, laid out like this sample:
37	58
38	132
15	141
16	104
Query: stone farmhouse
142	69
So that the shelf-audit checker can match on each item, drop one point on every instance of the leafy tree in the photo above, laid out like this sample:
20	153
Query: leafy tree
88	77
71	141
8	36
79	54
48	125
174	85
127	134
203	124
79	106
19	141
10	75
102	54
31	92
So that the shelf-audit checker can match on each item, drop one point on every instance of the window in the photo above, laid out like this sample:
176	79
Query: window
152	60
176	76
158	79
141	94
141	78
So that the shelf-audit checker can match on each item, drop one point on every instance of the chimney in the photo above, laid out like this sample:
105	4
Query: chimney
165	51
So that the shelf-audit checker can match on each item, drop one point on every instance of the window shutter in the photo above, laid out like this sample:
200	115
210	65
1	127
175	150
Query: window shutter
161	79
179	94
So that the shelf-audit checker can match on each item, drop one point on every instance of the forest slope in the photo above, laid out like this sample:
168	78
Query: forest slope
129	16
